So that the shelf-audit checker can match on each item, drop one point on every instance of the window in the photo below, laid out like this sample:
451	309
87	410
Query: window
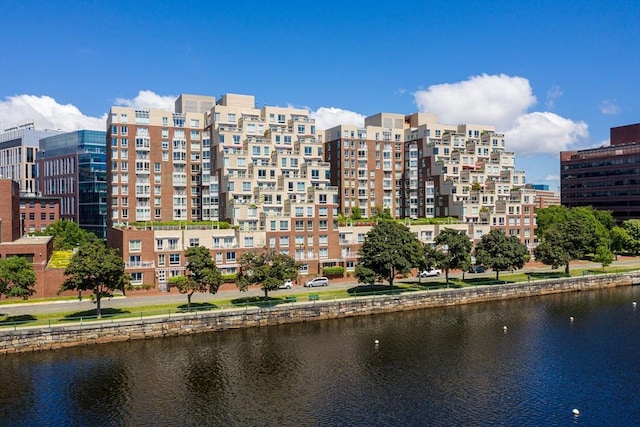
194	241
248	242
174	259
136	278
135	245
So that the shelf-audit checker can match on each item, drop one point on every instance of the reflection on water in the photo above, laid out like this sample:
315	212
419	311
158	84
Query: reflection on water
445	366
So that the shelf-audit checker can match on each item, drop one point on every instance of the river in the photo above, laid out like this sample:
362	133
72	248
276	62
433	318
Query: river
453	366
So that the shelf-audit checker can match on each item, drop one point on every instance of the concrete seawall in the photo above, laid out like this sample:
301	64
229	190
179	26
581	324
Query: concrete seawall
54	337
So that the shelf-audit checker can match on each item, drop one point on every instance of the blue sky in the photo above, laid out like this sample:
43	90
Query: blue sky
552	75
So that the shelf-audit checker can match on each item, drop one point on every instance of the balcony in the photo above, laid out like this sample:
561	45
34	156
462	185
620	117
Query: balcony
139	264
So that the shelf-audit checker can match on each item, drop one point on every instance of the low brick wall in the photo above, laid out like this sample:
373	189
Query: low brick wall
38	338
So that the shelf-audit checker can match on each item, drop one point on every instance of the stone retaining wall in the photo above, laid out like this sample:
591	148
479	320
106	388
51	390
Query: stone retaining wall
39	338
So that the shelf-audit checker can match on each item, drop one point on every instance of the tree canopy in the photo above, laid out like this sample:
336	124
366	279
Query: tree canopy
203	275
17	278
501	252
455	248
95	268
67	235
632	227
563	242
599	223
268	268
389	248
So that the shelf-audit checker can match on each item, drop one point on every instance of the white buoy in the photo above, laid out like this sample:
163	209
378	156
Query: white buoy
504	328
635	303
576	412
571	318
376	342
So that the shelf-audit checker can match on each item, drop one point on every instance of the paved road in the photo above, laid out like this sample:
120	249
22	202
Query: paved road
174	297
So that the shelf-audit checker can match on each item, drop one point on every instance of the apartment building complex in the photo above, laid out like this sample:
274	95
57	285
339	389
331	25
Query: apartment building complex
412	166
234	177
606	178
261	170
72	167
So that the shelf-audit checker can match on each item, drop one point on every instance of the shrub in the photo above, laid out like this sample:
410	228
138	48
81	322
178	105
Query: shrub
333	271
229	278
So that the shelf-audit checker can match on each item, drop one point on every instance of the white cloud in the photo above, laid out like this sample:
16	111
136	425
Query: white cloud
148	99
487	99
544	133
46	113
328	117
552	178
609	108
553	94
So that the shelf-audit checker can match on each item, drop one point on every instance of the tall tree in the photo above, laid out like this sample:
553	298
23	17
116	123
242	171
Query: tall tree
66	234
268	268
17	278
203	275
619	240
98	269
389	248
564	242
632	227
455	248
501	252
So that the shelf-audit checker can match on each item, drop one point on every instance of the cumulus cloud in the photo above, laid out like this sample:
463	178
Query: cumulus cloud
328	117
484	99
544	133
609	108
148	99
46	113
553	94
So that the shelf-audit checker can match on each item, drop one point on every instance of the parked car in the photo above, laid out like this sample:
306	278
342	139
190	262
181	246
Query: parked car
477	269
430	273
317	281
286	285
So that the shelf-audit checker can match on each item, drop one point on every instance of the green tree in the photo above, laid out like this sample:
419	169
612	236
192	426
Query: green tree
563	242
546	217
17	278
619	240
202	273
632	227
605	218
455	248
604	256
389	248
67	235
268	268
98	269
501	252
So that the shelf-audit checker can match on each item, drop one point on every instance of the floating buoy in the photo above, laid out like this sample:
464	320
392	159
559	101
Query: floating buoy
634	303
571	318
504	328
376	342
576	412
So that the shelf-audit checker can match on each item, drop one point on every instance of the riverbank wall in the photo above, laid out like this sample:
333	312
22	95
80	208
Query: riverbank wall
96	332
